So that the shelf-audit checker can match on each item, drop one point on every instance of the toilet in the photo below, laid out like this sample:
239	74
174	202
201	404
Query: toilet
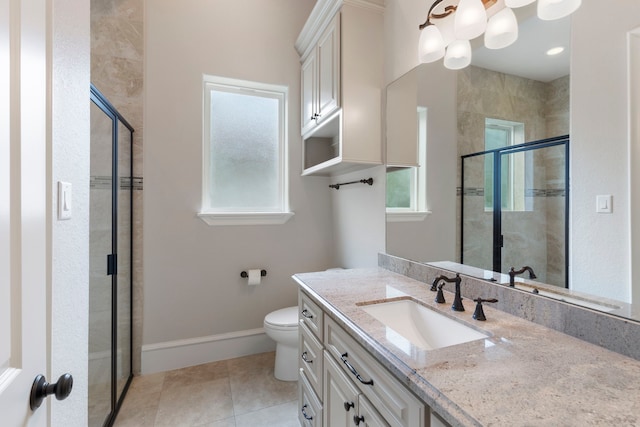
282	327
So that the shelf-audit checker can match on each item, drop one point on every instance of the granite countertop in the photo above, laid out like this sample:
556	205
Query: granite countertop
523	374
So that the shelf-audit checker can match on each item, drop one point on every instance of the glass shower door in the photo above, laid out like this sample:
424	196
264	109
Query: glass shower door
534	212
477	219
100	291
526	221
123	277
111	236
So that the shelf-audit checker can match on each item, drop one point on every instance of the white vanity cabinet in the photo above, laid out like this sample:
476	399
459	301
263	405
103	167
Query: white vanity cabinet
397	405
341	54
340	384
345	405
310	362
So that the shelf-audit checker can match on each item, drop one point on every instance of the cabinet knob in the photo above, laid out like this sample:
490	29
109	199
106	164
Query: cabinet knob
358	419
304	357
348	405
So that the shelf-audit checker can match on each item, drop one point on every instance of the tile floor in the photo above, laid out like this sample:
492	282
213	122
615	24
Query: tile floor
238	392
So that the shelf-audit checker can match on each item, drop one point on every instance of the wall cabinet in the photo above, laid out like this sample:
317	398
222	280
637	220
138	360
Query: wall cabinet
341	86
321	78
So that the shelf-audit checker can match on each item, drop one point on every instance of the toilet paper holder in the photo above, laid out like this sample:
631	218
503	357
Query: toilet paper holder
244	274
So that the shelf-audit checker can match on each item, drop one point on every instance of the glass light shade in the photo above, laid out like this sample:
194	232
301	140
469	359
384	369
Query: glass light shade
431	45
458	55
549	10
446	26
502	29
517	3
471	19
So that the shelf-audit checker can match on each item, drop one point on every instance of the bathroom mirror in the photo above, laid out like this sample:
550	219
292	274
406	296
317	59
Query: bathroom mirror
598	242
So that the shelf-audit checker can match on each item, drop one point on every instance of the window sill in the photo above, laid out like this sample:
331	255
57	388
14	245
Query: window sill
245	218
414	216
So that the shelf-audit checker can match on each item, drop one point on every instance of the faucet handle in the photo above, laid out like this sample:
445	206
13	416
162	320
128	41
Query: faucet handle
478	314
440	295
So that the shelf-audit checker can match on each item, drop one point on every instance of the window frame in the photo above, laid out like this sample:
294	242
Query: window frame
418	210
232	216
516	136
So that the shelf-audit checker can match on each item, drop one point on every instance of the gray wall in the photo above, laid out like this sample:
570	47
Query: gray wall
192	271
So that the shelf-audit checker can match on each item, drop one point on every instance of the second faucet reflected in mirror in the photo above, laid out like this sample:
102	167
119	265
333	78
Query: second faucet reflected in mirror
513	272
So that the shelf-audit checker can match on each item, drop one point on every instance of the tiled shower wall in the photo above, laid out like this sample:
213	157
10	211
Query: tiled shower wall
117	48
544	110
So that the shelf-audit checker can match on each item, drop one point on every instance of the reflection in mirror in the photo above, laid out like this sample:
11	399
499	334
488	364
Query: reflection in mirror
459	103
525	221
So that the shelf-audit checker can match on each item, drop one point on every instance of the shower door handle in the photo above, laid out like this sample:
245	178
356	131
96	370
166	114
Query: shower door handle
112	264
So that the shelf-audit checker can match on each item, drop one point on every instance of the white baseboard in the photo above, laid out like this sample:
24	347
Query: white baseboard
178	354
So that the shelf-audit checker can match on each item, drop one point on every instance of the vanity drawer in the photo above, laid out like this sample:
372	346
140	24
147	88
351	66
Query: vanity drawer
310	353
310	314
310	410
394	402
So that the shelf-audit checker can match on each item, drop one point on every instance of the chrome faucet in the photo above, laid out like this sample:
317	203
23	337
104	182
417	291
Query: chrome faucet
513	273
457	301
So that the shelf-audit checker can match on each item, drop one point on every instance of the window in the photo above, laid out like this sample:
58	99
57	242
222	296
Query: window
407	187
500	134
244	153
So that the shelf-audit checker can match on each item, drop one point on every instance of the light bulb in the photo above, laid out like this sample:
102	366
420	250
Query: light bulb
458	55
549	10
471	19
431	45
517	3
502	29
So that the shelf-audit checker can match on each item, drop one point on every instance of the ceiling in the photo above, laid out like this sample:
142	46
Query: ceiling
527	56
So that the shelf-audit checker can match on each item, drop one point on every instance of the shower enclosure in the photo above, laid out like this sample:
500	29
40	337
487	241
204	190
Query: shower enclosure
110	260
514	209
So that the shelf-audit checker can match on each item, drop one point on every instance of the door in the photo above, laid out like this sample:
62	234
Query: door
340	396
23	208
534	214
329	70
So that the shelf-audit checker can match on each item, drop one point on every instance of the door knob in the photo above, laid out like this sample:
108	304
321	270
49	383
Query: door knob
41	389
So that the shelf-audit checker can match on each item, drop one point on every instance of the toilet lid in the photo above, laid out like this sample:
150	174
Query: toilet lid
283	317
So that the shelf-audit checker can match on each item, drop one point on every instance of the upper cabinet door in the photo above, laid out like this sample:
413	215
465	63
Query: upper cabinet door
309	99
329	69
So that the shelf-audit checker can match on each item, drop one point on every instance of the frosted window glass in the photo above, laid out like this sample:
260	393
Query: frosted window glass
244	152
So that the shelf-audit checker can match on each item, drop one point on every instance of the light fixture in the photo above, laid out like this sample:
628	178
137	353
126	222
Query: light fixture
458	21
555	51
502	29
458	55
549	10
471	19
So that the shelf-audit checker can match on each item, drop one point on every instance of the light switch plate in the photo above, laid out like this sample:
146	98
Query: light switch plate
603	203
64	200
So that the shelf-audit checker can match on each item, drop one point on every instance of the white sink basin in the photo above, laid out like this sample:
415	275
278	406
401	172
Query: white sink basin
422	326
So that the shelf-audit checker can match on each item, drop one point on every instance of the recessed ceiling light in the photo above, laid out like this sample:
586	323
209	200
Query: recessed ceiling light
555	51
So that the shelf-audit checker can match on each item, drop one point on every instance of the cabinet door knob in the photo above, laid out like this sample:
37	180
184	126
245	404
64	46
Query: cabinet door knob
304	357
348	405
358	419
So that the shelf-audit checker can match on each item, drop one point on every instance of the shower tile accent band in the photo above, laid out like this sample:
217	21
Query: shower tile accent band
529	192
104	183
